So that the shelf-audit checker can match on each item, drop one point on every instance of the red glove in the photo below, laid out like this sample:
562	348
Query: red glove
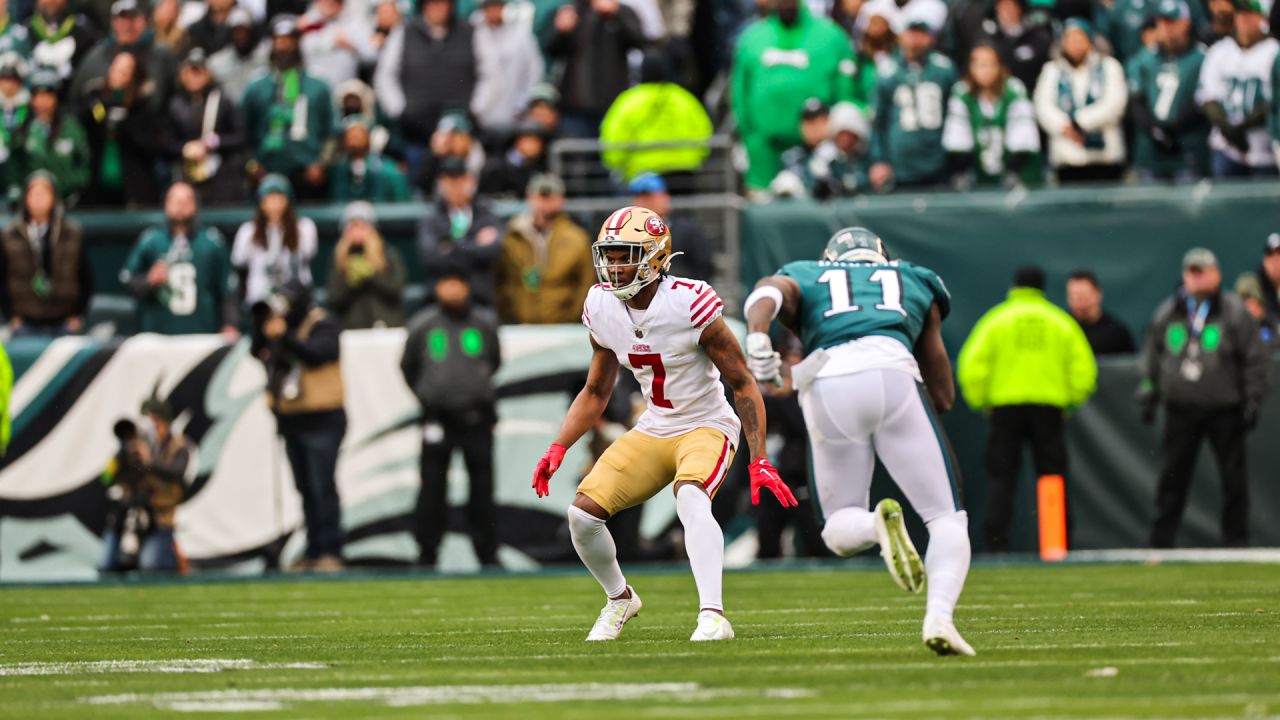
547	467
764	475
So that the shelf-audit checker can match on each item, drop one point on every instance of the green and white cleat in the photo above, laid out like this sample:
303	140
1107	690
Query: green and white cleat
899	554
942	638
712	626
614	615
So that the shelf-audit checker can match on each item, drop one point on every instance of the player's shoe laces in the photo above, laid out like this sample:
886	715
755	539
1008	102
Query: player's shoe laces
615	614
942	637
899	554
712	626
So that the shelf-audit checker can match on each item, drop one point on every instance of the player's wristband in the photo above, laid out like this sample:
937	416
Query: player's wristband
765	291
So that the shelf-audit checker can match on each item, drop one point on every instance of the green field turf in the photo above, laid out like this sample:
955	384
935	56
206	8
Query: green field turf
837	642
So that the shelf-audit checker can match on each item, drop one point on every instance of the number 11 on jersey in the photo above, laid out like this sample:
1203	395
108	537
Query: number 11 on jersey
837	282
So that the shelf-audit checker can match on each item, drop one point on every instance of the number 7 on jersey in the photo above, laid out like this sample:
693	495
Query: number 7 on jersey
654	361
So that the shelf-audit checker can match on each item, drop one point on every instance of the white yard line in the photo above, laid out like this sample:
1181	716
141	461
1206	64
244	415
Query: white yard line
180	665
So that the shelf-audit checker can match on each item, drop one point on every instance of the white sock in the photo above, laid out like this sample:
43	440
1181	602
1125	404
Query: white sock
595	546
947	562
849	531
704	542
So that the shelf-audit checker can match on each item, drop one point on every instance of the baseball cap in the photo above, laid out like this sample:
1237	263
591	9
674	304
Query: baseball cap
1199	258
528	128
813	107
454	122
125	7
1247	286
919	24
453	166
846	117
544	93
1272	244
44	79
1252	6
647	183
359	211
914	17
1173	10
284	26
545	184
196	58
275	183
239	17
1080	24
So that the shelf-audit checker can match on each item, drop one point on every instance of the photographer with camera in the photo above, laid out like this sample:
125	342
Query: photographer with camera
146	481
366	285
299	343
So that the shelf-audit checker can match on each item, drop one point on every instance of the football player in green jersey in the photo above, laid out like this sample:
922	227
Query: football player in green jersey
871	329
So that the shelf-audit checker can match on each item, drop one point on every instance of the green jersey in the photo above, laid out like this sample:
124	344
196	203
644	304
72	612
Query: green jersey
1167	84
845	301
199	281
910	110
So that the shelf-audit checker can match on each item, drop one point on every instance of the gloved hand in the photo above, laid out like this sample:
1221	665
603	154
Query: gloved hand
763	475
763	361
547	467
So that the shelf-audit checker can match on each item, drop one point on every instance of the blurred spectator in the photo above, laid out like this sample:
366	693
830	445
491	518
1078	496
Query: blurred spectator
933	13
509	174
880	44
449	361
678	19
460	228
335	41
435	39
15	106
1080	101
454	138
837	167
47	277
358	173
150	480
129	33
51	138
126	134
366	284
288	115
656	111
355	100
179	273
386	18
300	345
1204	361
906	138
1026	364
592	39
1250	292
1105	333
275	247
545	267
1268	279
509	64
781	61
61	36
1233	82
206	135
14	36
697	253
815	122
990	129
242	59
1221	21
1024	42
212	31
544	108
1171	134
165	29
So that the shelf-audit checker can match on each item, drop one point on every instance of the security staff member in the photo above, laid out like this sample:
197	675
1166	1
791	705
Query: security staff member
1204	360
1026	363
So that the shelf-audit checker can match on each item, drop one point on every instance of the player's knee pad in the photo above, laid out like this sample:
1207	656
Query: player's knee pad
583	523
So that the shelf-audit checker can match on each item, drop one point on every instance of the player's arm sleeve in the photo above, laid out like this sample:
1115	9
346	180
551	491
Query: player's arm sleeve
941	295
705	307
1109	110
973	366
1083	371
588	308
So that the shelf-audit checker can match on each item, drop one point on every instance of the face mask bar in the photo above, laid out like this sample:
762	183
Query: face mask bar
607	270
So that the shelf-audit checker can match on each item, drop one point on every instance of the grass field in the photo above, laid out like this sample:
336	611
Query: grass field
838	642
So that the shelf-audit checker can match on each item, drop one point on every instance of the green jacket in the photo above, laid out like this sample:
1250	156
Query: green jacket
6	390
1026	351
776	68
288	123
907	129
631	120
381	182
1165	86
66	155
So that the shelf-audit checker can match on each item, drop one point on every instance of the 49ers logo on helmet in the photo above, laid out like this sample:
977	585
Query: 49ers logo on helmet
654	226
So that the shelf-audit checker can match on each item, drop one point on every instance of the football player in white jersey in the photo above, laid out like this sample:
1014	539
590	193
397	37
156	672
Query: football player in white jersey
668	331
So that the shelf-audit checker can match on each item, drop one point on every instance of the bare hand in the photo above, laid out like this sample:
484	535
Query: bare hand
342	41
1071	133
230	333
274	328
880	175
314	174
158	275
75	324
566	19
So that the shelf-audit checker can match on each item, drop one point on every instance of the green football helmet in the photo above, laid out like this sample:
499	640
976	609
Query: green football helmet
856	244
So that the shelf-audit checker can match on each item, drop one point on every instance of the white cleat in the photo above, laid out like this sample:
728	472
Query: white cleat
615	614
942	637
899	554
712	626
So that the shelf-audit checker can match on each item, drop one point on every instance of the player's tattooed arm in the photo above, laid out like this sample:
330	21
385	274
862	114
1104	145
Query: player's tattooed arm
935	366
761	313
587	407
720	344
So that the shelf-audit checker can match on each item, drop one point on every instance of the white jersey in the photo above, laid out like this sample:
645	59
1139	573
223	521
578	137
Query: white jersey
660	345
1239	79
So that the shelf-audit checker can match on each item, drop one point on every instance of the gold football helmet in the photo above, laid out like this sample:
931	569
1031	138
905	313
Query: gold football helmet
647	240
